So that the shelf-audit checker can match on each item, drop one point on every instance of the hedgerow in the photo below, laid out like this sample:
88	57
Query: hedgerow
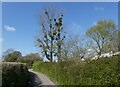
103	71
14	74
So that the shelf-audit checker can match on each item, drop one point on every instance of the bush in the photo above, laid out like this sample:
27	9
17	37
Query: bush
29	59
14	74
100	72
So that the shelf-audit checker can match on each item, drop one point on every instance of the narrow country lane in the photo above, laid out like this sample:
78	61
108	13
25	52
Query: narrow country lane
39	80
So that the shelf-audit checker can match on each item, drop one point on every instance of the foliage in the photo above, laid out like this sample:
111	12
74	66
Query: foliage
29	59
13	56
14	74
51	40
100	33
59	36
103	71
8	51
16	56
112	43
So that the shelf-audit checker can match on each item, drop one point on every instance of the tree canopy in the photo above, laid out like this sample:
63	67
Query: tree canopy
101	33
13	56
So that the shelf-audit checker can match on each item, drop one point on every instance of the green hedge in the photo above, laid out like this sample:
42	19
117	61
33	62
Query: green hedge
99	72
14	74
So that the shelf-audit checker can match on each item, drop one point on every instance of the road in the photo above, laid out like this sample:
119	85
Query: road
39	80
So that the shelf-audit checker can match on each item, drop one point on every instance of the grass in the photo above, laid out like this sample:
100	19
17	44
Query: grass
103	71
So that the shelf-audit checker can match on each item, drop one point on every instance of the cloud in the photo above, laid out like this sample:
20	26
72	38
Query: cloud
99	8
9	28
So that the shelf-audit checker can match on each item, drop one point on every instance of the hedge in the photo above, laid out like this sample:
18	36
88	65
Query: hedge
14	74
103	71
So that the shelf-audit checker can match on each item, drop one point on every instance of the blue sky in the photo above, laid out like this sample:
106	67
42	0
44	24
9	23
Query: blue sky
20	21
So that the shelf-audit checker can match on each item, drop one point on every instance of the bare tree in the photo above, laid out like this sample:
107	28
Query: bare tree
51	26
73	49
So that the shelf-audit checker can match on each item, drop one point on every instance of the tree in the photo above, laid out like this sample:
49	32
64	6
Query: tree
13	57
118	39
30	59
73	49
59	36
90	49
112	42
100	33
51	31
47	26
8	51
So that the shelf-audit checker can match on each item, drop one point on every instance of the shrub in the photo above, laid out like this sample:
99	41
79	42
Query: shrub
14	74
103	71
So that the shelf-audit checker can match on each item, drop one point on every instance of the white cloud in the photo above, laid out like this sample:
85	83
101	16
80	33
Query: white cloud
99	8
9	28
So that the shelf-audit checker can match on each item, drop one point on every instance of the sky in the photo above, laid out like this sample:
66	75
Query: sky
60	0
20	21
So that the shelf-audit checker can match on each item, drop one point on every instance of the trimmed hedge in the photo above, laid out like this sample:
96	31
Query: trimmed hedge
103	71
14	74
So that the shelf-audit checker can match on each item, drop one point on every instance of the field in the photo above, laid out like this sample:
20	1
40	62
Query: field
103	71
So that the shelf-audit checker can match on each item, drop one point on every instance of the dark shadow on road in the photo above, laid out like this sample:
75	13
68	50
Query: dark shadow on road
34	80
